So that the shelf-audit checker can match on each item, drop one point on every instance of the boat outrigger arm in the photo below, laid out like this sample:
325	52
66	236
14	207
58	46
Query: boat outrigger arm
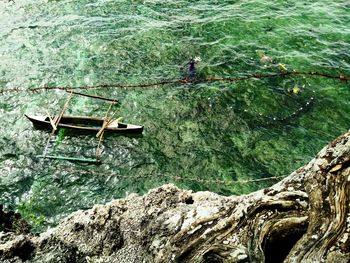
55	123
91	96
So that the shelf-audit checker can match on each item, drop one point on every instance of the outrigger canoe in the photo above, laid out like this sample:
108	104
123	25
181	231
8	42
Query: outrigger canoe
85	124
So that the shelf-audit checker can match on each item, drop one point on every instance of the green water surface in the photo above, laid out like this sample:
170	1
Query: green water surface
199	136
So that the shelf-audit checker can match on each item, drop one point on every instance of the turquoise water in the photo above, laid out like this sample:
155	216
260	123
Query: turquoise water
200	136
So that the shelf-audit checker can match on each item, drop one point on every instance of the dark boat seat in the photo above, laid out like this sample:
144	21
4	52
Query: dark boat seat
122	125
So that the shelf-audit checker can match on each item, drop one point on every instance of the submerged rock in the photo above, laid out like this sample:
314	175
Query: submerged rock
303	218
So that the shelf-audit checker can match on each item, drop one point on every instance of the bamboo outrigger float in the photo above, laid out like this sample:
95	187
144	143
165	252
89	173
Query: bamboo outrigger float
83	124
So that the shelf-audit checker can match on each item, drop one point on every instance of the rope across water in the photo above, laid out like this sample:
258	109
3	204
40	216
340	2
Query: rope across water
176	81
179	178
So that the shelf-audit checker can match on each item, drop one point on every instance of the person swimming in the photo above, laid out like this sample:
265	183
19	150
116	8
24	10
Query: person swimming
191	72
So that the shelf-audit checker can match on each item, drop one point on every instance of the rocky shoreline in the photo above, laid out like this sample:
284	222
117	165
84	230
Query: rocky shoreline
303	218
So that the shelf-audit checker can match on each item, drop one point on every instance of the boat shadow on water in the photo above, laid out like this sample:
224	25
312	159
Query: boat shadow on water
79	133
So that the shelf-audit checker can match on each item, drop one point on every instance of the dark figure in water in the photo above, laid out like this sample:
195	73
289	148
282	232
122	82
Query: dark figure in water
191	71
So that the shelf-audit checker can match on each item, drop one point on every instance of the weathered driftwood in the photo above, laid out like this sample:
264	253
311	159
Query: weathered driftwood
304	218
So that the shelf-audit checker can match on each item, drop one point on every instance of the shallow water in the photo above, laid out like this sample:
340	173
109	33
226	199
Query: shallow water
200	136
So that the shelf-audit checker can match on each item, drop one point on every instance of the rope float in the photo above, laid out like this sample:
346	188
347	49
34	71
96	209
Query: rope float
298	112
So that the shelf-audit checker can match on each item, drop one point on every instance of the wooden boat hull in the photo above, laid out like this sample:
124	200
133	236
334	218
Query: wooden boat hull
85	124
